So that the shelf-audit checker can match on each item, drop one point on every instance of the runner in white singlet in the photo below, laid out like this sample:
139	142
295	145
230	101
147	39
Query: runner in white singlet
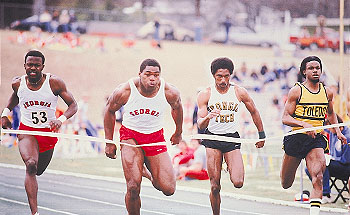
218	107
36	94
144	100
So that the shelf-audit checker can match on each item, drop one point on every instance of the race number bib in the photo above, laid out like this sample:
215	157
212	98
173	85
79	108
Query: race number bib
39	117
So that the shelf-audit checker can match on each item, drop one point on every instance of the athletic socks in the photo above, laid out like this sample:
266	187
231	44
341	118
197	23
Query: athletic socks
315	205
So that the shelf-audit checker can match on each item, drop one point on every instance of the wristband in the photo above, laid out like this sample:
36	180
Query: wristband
62	118
5	112
261	134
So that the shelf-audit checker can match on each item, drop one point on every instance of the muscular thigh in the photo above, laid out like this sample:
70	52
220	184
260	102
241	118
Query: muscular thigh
132	160
214	163
160	166
315	161
289	166
234	162
28	147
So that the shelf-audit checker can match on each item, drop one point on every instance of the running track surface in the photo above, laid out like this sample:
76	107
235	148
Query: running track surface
73	194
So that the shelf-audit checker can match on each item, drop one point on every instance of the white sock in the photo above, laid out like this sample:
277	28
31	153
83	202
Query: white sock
315	205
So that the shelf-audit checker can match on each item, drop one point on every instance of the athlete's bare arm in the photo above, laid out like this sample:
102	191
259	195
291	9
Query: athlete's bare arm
243	96
12	102
59	88
173	97
289	109
203	115
332	116
118	98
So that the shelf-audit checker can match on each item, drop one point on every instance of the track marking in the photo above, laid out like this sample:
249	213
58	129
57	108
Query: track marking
81	198
122	192
147	196
184	188
40	207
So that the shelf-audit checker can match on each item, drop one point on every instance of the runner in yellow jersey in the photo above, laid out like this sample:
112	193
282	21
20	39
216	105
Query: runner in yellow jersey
307	106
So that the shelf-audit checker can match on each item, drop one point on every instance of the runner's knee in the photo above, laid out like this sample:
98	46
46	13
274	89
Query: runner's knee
318	179
133	189
215	188
286	183
169	191
238	183
31	166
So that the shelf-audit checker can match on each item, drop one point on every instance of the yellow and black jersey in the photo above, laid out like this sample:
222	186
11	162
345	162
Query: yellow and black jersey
311	107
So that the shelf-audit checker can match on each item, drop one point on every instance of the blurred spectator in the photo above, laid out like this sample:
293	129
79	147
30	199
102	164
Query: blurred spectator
263	69
64	21
45	19
227	25
339	163
73	21
198	167
82	121
183	157
234	77
242	73
169	32
256	83
55	21
269	76
195	116
194	120
156	36
16	115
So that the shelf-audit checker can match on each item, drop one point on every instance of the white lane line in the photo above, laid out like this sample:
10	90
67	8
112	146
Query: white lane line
121	192
40	207
185	188
144	195
81	198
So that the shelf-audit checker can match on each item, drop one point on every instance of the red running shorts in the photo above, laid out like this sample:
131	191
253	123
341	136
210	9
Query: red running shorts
140	138
45	143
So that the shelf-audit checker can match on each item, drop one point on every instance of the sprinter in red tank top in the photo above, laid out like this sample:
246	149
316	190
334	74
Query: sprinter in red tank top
144	99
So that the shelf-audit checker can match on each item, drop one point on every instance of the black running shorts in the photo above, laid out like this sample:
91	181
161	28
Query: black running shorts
222	145
299	145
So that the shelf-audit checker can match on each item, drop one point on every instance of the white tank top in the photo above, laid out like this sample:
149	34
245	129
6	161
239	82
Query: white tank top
142	114
227	121
37	107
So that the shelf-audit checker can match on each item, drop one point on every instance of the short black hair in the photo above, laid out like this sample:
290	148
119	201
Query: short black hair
222	63
149	62
306	60
35	53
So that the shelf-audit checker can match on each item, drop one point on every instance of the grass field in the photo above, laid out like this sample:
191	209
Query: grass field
186	65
